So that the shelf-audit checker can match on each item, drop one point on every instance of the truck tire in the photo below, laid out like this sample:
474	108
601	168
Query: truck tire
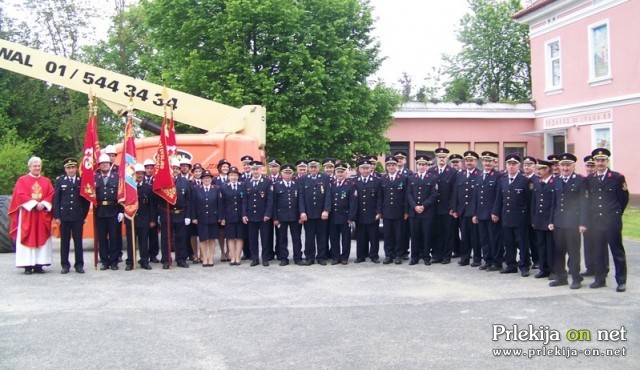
6	244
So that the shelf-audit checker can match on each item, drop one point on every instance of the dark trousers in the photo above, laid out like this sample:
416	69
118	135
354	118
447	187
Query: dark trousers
546	249
340	235
612	238
142	239
315	234
367	240
567	241
67	230
107	240
274	242
282	238
456	238
490	241
406	236
262	229
392	230
516	239
533	250
446	228
469	240
118	239
154	246
178	232
590	251
246	250
420	234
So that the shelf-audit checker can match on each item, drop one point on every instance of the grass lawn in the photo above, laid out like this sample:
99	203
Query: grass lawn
631	223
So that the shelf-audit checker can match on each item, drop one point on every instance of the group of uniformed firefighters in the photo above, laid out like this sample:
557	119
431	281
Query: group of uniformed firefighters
544	210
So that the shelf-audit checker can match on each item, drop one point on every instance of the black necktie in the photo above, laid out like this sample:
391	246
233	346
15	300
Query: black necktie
510	180
601	177
484	176
441	171
255	183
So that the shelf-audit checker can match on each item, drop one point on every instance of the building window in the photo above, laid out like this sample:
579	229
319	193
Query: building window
515	148
602	136
553	66
425	148
396	146
599	53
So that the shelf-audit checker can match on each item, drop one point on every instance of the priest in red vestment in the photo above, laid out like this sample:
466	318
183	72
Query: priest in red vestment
30	213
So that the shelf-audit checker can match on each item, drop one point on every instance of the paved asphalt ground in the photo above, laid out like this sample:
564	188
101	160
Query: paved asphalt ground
356	316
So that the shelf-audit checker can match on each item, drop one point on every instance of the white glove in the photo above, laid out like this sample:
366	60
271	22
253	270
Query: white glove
187	221
120	217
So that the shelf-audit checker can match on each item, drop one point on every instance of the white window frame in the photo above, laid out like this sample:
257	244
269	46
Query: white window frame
605	79
550	88
595	144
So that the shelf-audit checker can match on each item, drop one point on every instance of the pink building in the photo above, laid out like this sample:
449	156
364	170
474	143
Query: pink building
420	128
585	58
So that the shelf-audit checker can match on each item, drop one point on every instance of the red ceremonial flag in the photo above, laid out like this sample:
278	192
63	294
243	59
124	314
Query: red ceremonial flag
89	164
172	147
163	184
127	187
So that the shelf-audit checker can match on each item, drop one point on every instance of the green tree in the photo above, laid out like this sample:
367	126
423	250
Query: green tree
495	59
307	62
14	155
405	87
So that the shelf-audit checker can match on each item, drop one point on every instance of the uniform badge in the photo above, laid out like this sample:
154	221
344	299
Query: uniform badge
321	189
531	185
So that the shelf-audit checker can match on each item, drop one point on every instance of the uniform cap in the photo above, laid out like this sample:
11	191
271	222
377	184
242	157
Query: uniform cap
400	154
541	163
287	168
442	152
529	159
246	158
223	162
69	162
567	158
601	153
301	163
110	149
274	162
489	155
206	173
255	164
391	160
341	167
471	154
104	158
328	162
364	162
186	161
455	157
138	167
196	166
234	169
148	162
553	158
175	162
513	157
313	162
589	160
422	159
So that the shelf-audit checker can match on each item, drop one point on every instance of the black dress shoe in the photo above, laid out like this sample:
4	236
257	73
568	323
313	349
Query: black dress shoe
483	267
308	262
165	266
387	260
154	260
322	262
405	257
427	262
104	267
414	261
375	260
183	265
587	273
80	270
455	255
28	270
445	262
463	263
344	262
398	261
558	283
575	285
265	263
541	274
535	266
244	258
64	270
128	268
508	271
359	260
335	262
524	273
436	260
283	263
621	288
494	268
299	263
145	266
597	284
114	267
38	270
475	264
254	263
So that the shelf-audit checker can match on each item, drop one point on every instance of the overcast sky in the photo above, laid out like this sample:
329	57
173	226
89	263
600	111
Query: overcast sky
413	34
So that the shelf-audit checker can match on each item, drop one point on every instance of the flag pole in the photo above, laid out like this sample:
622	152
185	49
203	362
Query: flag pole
93	111
133	243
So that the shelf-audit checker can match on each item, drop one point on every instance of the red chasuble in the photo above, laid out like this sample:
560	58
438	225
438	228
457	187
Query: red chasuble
35	225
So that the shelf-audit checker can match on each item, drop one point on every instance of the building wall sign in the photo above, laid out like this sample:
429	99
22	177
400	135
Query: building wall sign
590	118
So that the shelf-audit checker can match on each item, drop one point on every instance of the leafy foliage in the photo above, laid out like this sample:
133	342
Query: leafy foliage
14	155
